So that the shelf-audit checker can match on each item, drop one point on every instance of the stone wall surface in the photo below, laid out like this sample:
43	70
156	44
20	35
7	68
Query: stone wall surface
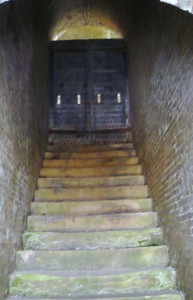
23	120
161	90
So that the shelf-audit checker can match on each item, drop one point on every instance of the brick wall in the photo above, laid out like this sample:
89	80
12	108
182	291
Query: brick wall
23	120
161	87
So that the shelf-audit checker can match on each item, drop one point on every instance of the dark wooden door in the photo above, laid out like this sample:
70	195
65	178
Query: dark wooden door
89	88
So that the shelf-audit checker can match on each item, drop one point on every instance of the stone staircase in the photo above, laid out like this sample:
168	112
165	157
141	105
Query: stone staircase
92	233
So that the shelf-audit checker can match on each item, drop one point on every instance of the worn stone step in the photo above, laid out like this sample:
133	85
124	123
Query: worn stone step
95	181
92	223
82	163
90	240
90	155
173	295
74	208
89	148
55	284
56	138
131	258
92	193
91	172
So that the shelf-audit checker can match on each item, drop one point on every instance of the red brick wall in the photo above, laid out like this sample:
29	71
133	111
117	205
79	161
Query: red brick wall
23	121
161	89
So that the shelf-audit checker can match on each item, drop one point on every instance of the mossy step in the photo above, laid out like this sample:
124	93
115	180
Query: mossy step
92	193
58	284
91	172
89	148
153	296
90	240
92	223
74	208
90	155
131	258
87	182
82	163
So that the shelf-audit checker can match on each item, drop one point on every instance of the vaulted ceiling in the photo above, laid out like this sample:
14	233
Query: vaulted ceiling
111	14
73	14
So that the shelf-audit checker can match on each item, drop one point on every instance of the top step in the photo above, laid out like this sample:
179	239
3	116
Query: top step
89	148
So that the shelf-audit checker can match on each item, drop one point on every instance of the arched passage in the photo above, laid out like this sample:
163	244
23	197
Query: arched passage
159	38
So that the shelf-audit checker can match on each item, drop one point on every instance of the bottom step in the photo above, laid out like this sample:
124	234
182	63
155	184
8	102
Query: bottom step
173	296
89	284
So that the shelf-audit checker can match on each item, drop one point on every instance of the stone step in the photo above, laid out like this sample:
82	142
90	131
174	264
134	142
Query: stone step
91	172
131	258
74	208
173	295
82	163
89	148
55	284
95	181
92	223
92	193
91	241
90	155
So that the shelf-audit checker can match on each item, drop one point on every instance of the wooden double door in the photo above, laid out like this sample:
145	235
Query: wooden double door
89	87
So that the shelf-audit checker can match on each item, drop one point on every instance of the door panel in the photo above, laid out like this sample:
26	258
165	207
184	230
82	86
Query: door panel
109	90
69	110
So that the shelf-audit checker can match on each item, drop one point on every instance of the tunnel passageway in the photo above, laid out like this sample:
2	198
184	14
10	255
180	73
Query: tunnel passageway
160	67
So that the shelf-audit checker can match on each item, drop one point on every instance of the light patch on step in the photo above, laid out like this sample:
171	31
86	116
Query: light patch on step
26	256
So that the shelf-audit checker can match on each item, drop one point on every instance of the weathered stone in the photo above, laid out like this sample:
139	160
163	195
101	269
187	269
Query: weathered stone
92	181
92	193
57	284
92	240
94	222
83	163
90	155
137	296
91	172
74	208
133	258
89	148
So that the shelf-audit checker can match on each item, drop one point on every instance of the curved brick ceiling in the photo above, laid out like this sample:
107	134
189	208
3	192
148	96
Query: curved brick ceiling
111	14
183	4
75	13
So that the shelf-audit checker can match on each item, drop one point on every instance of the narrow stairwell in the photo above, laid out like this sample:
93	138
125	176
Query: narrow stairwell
92	233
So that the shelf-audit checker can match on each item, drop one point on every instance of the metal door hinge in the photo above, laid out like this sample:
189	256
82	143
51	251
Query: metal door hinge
99	100
119	98
79	100
59	99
